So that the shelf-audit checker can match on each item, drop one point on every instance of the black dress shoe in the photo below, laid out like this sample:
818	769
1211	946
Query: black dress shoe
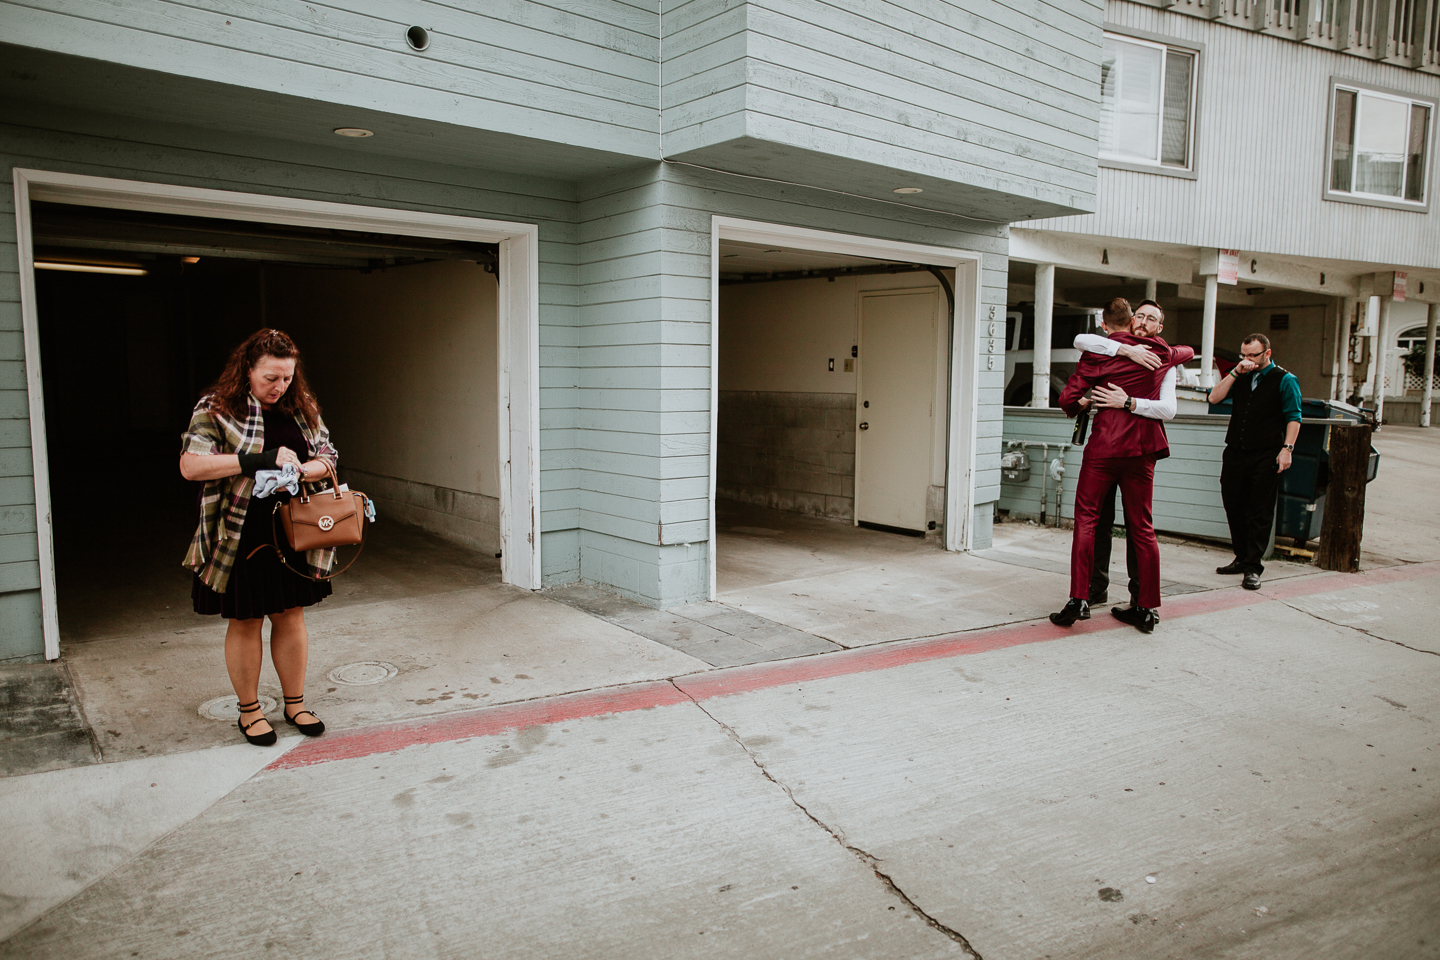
1099	599
1074	610
1230	569
1251	581
1141	618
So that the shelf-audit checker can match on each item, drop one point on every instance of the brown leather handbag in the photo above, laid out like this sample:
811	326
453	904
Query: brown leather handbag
325	520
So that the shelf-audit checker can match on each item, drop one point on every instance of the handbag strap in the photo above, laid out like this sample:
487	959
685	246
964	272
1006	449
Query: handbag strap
275	545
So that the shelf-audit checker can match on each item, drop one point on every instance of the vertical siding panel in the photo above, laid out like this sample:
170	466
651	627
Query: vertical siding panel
1260	155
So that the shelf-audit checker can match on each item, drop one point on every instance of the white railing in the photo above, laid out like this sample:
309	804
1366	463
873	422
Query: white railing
1416	381
1405	32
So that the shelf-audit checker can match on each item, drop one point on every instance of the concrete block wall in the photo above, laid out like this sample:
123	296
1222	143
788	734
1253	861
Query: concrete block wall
789	451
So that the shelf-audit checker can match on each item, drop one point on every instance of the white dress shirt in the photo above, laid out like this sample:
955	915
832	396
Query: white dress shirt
1162	409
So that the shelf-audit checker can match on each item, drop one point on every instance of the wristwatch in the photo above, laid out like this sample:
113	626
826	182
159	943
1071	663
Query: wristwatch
1290	447
1130	404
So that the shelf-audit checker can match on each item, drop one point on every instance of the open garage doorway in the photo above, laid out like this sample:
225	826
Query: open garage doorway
132	313
843	399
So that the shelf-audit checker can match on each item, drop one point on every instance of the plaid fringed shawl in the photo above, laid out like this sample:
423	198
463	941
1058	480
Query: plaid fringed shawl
224	502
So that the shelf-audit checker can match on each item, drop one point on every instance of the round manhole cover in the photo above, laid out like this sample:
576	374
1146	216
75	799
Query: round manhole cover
228	708
364	673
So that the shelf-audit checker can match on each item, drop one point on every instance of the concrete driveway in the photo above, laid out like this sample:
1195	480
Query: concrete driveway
1256	779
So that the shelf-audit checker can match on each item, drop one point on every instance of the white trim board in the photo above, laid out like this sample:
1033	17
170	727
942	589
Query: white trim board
964	360
518	348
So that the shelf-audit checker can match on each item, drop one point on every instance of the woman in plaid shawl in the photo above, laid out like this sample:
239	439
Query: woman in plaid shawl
259	415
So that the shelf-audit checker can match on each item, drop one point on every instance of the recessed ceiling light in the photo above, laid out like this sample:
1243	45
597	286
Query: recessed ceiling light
356	132
189	259
905	189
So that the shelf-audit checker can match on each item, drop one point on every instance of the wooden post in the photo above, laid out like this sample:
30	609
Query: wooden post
1344	523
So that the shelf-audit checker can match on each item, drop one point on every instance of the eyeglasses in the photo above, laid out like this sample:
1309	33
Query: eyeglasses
1252	356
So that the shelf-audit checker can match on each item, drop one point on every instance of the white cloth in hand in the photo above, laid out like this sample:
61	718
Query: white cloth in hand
270	482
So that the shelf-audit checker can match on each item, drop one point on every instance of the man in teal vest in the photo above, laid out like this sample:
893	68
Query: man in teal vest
1264	422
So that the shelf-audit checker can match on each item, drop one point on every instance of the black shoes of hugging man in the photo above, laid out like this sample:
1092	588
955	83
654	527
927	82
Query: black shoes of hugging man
1141	618
1251	581
1074	610
1230	569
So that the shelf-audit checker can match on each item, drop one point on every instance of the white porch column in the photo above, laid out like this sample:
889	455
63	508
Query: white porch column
1372	326
1207	332
1044	317
1425	397
1152	289
1340	379
1382	355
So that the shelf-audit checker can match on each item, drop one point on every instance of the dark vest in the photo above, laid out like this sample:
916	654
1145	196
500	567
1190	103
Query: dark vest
1256	420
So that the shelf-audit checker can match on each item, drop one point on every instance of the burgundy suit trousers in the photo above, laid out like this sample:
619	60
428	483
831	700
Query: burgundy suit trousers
1136	478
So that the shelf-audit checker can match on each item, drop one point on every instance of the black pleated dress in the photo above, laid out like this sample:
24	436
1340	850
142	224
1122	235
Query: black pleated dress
261	585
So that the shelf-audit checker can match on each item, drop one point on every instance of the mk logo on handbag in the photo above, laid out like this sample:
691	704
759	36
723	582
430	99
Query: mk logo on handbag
325	523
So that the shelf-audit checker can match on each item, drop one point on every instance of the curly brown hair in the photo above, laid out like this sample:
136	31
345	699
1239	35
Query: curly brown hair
230	393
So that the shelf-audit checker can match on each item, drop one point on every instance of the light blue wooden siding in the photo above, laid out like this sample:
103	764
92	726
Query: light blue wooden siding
704	73
583	73
644	332
191	157
1187	483
991	383
997	98
1260	158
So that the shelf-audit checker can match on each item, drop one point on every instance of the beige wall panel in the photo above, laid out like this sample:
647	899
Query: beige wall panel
407	371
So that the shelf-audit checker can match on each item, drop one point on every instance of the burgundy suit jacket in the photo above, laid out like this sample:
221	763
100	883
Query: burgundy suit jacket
1120	433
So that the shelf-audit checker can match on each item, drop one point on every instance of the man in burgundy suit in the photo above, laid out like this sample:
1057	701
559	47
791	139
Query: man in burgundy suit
1123	448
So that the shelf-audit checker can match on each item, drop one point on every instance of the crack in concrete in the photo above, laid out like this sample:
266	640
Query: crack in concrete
838	836
1357	629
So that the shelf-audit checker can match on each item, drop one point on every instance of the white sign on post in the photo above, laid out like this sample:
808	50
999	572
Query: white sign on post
1401	283
1229	267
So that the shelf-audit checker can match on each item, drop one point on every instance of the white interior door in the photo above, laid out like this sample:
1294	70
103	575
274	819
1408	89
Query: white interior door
895	407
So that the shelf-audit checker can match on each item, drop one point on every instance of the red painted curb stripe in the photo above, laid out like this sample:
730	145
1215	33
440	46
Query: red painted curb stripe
484	722
728	681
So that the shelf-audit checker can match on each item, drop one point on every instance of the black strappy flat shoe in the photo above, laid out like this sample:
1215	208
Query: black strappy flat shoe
265	739
309	729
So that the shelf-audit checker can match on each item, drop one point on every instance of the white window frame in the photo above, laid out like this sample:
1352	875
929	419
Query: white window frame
1369	199
1197	50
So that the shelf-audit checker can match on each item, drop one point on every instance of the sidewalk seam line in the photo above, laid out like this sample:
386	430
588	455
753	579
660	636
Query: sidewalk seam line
1351	626
837	835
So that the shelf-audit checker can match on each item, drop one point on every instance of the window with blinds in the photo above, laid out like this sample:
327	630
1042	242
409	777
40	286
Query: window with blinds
1147	102
1379	146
